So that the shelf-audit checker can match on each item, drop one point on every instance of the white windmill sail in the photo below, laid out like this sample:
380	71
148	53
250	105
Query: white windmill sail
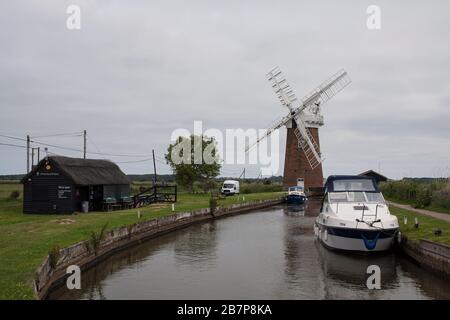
328	89
307	143
313	100
282	88
277	124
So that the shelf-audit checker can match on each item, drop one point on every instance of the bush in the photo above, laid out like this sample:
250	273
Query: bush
400	190
420	194
212	205
441	198
254	187
53	256
95	240
14	195
423	198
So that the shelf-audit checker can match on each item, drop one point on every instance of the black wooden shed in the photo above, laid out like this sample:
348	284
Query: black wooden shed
63	185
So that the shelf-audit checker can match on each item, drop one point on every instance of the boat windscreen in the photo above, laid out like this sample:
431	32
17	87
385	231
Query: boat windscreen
338	196
374	197
353	185
355	196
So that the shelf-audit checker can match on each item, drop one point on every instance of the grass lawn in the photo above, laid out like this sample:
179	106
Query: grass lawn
427	226
6	187
26	239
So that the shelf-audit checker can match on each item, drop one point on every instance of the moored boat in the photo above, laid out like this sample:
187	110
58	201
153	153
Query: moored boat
296	195
354	216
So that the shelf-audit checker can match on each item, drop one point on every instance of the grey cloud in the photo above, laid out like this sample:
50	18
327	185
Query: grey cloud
138	70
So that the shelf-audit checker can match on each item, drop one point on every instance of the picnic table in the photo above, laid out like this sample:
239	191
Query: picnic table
110	204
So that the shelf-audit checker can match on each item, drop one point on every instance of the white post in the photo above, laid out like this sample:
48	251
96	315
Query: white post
173	207
139	214
405	220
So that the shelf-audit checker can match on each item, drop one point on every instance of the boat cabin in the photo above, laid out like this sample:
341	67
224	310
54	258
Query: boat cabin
341	188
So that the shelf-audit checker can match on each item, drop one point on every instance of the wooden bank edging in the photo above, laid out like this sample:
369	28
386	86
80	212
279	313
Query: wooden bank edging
430	255
48	278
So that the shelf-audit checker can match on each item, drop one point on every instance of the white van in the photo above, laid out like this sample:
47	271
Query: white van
230	187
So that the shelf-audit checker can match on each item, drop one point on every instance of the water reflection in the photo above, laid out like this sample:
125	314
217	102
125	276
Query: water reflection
301	262
313	206
401	278
350	269
271	254
197	250
194	248
294	210
433	285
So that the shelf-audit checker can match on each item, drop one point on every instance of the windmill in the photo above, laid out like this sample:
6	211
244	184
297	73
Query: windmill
303	158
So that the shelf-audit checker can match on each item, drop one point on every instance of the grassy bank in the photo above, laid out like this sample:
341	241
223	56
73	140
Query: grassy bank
427	226
25	240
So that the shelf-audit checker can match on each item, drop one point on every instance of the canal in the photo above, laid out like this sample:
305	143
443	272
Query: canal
269	254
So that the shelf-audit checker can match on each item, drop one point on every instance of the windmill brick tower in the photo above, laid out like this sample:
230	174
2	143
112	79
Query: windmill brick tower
303	162
296	164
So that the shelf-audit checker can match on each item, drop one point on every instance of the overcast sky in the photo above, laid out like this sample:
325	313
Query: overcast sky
137	70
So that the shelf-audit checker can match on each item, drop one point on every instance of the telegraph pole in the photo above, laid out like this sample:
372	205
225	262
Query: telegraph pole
154	167
242	174
32	157
39	154
84	144
28	153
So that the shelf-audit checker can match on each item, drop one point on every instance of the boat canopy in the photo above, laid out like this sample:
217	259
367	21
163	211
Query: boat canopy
350	183
296	188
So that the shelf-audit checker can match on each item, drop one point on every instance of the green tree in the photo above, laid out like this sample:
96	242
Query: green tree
194	159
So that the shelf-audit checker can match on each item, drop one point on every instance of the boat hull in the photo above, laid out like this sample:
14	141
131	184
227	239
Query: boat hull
295	199
353	239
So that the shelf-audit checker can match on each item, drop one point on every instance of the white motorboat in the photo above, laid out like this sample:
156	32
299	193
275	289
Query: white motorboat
354	216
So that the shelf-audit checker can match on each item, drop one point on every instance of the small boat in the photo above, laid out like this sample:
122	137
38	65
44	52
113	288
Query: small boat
296	195
354	216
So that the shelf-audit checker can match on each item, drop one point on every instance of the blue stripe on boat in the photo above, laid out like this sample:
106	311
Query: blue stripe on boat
366	235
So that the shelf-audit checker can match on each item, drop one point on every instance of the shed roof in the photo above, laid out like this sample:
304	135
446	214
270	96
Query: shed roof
374	173
86	172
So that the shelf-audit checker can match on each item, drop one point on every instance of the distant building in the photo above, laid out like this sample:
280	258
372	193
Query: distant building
377	176
65	185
